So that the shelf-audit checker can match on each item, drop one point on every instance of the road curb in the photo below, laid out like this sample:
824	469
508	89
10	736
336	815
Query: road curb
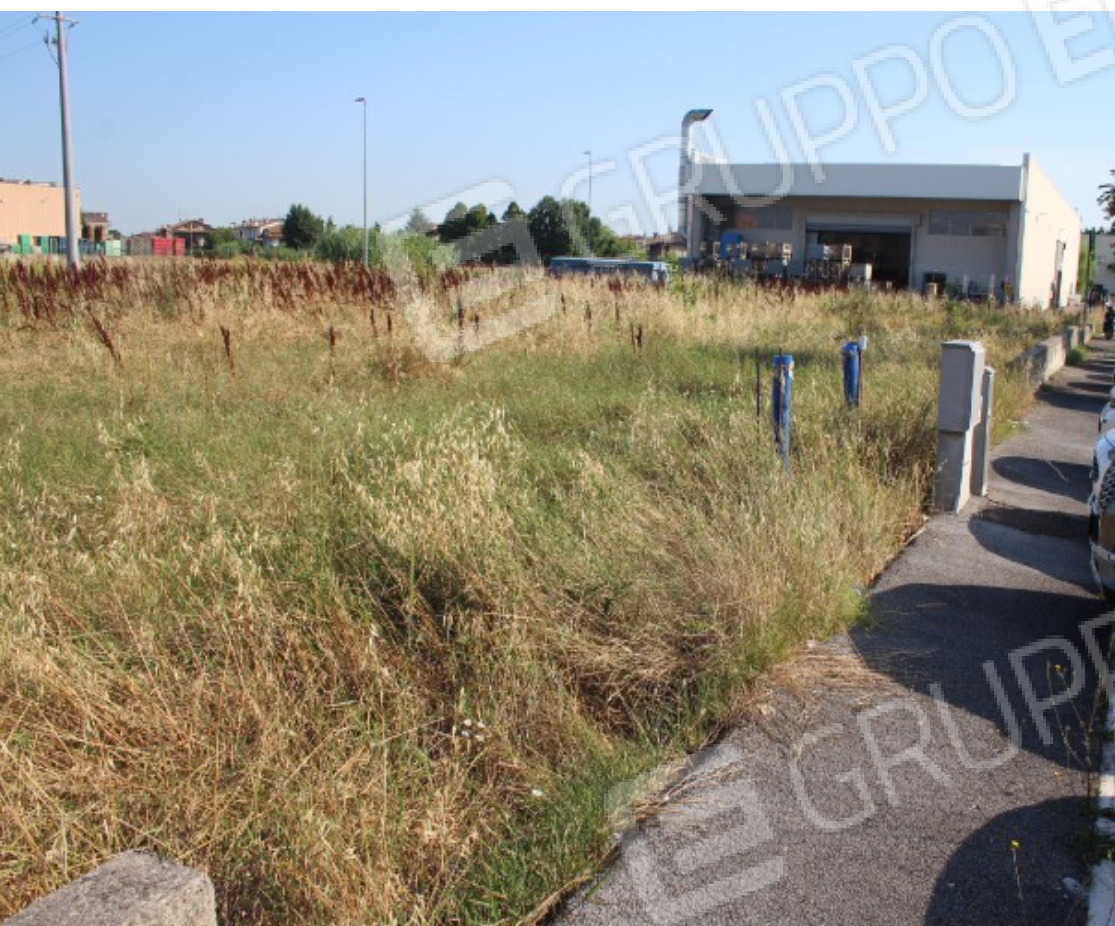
1101	897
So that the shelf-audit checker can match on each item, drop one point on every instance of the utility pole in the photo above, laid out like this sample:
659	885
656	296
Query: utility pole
73	256
589	153
363	102
1089	274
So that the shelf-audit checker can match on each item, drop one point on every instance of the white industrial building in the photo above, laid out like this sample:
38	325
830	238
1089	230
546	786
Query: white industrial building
1104	268
1003	232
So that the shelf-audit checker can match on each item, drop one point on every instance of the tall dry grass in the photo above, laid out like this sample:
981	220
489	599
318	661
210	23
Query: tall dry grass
369	638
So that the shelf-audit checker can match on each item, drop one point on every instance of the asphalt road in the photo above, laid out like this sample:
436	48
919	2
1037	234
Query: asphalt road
931	768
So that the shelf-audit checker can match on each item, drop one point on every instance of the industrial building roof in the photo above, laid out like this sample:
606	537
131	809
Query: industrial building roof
861	181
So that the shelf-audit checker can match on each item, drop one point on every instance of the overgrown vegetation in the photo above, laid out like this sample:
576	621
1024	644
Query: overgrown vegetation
370	638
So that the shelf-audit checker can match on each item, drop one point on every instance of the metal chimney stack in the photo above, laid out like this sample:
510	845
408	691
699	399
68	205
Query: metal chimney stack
685	197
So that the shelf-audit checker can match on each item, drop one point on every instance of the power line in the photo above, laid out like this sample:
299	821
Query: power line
14	25
15	29
21	50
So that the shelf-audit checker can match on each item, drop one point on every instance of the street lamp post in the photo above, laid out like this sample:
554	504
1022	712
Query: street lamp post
589	153
363	102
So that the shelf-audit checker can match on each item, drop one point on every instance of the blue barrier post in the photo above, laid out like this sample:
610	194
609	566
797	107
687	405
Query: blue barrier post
782	394
852	370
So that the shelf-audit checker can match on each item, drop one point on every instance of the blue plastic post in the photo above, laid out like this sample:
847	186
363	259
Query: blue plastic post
852	379
782	394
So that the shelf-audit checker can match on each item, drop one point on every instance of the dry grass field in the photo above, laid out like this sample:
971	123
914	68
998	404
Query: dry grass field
370	638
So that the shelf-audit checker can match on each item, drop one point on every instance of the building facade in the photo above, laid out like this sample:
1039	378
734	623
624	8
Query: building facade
193	232
33	214
95	227
265	232
1104	273
1000	232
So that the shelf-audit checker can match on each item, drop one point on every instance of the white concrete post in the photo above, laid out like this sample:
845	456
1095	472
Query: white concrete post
961	408
981	443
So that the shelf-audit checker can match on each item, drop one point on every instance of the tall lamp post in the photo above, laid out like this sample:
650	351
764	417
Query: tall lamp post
589	153
685	198
364	103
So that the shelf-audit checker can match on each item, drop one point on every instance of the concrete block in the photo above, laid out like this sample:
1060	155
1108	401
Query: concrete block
1056	354
952	487
962	364
1044	361
981	440
134	889
1031	363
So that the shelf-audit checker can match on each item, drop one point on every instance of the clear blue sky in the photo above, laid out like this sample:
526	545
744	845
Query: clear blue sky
229	116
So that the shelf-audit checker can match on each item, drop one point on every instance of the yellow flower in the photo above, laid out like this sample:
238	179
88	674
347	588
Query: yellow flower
1015	845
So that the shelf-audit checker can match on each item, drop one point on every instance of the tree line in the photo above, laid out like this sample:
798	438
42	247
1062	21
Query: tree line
556	227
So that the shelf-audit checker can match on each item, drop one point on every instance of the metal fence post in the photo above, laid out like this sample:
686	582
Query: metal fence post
782	394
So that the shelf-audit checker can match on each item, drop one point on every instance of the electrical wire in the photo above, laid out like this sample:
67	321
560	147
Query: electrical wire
15	28
21	50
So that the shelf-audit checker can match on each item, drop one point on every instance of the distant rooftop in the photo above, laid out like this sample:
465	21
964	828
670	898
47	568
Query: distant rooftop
862	181
28	182
187	225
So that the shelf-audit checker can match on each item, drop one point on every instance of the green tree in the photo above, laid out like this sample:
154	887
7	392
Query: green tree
579	220
462	221
1107	199
452	227
221	238
418	223
342	245
562	229
478	219
302	229
548	229
513	212
605	242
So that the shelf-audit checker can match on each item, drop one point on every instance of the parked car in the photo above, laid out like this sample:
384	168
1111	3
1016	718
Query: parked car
1107	416
1103	455
1101	534
655	271
1102	458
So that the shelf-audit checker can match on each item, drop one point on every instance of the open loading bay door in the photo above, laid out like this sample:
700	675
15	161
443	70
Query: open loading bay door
884	242
888	253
